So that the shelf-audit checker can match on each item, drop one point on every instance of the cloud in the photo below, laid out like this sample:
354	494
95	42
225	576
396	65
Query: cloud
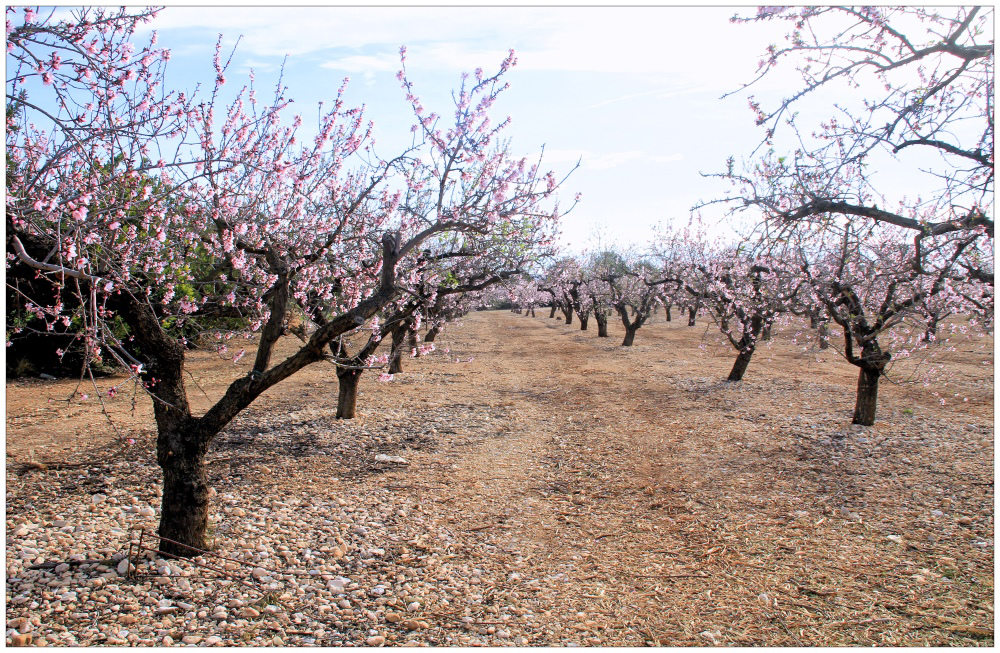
612	160
363	64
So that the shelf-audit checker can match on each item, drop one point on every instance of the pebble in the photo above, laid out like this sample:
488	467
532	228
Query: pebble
375	640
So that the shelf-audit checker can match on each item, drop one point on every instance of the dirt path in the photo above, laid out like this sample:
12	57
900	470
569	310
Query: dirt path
562	489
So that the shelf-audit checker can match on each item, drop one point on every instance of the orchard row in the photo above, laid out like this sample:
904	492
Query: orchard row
143	219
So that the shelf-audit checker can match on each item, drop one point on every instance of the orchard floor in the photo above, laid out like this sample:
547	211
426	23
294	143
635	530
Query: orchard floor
558	489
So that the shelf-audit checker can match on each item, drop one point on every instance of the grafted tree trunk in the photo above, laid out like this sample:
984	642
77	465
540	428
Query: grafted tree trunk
873	360
184	509
347	392
864	408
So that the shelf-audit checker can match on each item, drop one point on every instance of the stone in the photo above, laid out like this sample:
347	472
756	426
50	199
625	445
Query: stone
191	639
20	640
375	640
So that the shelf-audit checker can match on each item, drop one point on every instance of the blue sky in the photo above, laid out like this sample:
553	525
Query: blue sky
633	91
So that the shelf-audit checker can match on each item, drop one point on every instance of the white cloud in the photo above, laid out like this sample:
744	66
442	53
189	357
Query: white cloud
612	160
363	64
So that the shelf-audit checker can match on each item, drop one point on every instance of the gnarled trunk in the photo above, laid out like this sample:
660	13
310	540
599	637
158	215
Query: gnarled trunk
629	337
584	318
552	313
568	313
871	363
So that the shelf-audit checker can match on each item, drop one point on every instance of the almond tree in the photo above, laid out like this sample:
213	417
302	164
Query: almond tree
871	281
634	288
926	78
746	297
97	210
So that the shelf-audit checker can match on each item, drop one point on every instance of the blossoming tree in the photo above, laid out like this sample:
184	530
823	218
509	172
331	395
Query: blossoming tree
129	184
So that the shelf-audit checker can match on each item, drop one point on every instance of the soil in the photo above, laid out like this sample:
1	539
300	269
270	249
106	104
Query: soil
561	489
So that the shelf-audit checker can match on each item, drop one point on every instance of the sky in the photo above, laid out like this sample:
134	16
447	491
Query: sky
631	92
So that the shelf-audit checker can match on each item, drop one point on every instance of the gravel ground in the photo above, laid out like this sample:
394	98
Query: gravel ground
584	494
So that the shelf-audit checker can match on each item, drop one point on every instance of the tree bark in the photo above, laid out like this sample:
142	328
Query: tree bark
668	307
184	509
692	314
741	364
930	334
583	321
864	408
432	333
568	312
396	351
412	341
552	313
602	324
629	337
347	392
824	334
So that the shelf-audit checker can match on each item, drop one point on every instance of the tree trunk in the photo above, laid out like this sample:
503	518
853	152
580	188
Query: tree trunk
568	312
765	333
629	337
553	312
668	307
347	394
532	309
740	366
824	334
432	333
930	334
864	409
412	342
396	351
184	508
583	321
602	324
692	314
